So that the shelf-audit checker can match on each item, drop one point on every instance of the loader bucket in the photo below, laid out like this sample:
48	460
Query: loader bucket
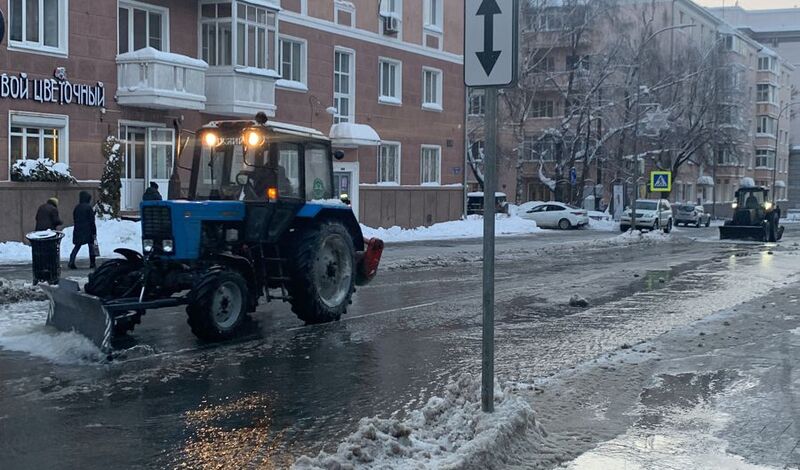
73	310
743	232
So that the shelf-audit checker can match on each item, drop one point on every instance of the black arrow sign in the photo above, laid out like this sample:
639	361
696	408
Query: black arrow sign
488	57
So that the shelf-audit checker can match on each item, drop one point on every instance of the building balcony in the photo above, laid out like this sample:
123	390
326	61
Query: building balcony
767	76
152	79
240	91
764	108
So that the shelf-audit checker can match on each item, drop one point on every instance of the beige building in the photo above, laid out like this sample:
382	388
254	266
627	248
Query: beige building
739	144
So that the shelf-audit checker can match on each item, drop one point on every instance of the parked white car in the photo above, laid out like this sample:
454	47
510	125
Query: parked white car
687	214
652	214
556	215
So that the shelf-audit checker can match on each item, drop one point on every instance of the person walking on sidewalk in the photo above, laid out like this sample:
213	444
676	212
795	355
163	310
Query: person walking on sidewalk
152	194
47	216
85	230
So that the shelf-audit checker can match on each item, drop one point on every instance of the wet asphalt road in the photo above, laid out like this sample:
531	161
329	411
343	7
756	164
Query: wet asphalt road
287	389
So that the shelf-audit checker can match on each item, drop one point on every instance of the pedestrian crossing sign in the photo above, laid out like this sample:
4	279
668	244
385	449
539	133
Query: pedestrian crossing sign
660	181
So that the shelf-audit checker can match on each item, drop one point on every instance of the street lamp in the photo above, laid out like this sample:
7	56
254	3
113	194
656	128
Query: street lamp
777	144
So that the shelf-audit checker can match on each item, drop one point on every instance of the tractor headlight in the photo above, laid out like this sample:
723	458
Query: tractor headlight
735	205
768	205
147	246
253	138
211	139
168	246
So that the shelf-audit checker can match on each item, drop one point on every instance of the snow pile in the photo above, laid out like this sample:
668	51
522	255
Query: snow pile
22	328
448	432
42	169
602	221
471	227
638	236
12	292
111	234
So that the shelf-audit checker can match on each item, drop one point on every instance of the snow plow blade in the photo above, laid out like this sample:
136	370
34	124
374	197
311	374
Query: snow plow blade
72	310
742	232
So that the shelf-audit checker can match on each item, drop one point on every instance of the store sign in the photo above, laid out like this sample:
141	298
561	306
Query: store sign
52	90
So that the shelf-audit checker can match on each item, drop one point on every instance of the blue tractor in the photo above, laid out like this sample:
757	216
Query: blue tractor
260	224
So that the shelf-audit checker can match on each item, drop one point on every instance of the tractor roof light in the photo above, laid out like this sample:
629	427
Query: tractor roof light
253	138
272	194
735	205
211	139
768	205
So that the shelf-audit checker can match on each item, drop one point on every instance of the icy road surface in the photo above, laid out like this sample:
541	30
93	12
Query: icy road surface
286	390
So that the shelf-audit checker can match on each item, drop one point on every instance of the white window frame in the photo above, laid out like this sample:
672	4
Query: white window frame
771	98
38	47
433	28
286	83
765	125
271	53
397	98
770	154
339	6
39	120
438	104
397	166
438	181
229	21
148	8
350	117
396	12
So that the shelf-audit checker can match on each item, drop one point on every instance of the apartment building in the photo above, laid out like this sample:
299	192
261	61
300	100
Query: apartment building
753	85
778	30
383	78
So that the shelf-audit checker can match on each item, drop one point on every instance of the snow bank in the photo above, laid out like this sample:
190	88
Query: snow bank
111	234
448	432
605	224
471	227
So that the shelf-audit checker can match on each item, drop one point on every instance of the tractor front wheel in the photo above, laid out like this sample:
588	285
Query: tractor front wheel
218	305
114	279
323	273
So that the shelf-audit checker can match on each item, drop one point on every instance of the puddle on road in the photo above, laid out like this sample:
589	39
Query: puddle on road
234	434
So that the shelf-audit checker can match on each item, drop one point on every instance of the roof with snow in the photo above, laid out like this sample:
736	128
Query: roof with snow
705	181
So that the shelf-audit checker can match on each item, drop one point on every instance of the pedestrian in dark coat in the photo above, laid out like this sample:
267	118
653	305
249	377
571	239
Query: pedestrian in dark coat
47	216
85	230
152	194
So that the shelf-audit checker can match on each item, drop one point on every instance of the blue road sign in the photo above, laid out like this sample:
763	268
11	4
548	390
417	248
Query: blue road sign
660	181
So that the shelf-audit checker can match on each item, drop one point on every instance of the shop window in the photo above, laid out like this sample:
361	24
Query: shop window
35	136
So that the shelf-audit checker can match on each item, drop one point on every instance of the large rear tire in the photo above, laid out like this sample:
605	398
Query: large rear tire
772	233
322	273
218	306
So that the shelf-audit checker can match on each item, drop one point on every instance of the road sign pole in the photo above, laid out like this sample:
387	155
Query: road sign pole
489	189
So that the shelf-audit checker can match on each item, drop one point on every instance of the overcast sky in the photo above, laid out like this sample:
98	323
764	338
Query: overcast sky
751	4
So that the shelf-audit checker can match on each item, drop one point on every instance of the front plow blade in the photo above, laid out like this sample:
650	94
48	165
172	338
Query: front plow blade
72	310
742	232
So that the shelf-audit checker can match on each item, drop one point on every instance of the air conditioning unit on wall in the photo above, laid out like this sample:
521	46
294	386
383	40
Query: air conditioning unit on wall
391	25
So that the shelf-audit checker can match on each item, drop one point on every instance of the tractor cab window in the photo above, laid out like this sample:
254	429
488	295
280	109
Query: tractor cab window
218	170
318	173
289	171
751	200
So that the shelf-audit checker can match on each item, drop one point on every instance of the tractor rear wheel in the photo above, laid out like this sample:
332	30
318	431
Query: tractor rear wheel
218	305
113	279
322	273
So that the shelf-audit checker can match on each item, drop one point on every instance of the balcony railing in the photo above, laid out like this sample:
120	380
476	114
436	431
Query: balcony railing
149	78
240	91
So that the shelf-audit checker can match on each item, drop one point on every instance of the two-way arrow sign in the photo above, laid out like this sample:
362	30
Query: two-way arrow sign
490	42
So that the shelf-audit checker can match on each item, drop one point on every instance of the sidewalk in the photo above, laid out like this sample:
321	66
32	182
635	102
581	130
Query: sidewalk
720	393
24	272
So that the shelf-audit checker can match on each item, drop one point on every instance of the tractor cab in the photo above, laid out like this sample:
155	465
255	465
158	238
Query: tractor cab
261	161
754	217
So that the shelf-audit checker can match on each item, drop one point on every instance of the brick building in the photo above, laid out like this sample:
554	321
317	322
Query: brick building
388	73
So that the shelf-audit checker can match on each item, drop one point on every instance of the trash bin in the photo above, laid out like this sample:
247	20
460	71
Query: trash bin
46	250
